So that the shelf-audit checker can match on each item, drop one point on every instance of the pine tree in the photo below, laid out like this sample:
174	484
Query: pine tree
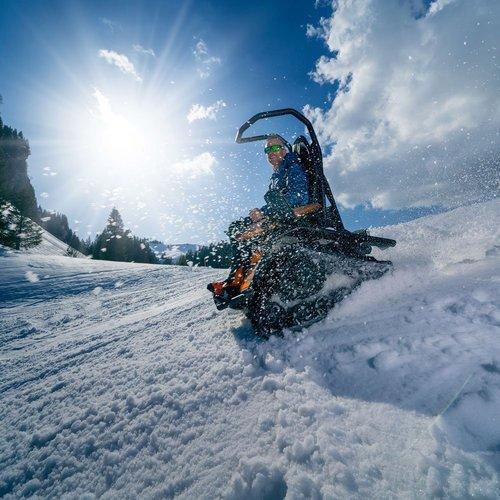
16	230
182	260
117	243
216	255
113	238
115	222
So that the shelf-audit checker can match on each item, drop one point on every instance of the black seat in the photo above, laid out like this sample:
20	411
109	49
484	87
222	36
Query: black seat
316	185
302	149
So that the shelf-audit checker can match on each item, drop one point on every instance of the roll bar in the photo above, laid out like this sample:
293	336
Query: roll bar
316	155
272	114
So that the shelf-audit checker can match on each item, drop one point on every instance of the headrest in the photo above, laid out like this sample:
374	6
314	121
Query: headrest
300	146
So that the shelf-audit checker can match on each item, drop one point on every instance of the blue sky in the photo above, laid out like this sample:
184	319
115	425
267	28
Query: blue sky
136	104
261	58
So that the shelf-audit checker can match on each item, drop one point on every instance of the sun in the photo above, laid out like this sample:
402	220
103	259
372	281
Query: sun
124	138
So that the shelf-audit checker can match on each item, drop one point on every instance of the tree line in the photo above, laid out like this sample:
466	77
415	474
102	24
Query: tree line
21	218
216	255
20	214
18	209
57	225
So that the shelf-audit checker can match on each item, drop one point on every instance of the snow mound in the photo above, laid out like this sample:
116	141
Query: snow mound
122	380
462	236
257	479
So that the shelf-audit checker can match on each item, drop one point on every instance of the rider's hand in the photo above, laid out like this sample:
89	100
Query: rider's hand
256	215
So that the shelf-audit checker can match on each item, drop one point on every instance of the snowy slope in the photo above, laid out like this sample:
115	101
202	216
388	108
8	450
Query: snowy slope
51	245
121	380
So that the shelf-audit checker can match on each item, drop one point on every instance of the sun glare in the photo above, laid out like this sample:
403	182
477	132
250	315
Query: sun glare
139	143
121	138
125	138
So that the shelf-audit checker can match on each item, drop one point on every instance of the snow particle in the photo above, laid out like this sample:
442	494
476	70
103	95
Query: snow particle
31	276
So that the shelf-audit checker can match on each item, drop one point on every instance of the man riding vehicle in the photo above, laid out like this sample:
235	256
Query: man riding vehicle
290	180
293	259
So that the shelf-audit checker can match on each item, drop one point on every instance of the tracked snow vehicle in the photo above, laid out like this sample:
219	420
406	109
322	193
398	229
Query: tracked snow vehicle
304	261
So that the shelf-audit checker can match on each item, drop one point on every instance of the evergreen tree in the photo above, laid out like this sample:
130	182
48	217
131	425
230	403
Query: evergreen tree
16	230
89	246
71	252
216	255
117	243
57	225
182	260
190	258
110	244
167	260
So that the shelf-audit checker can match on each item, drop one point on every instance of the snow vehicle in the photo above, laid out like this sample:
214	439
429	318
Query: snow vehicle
304	260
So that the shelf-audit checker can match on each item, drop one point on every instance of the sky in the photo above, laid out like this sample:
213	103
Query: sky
416	120
136	104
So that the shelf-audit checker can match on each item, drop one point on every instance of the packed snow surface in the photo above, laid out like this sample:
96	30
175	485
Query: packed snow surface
123	381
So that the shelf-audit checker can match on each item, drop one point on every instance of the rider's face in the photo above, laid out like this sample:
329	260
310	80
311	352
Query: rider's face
276	158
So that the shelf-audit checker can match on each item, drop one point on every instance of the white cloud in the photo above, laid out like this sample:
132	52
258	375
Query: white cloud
112	25
194	167
142	50
344	200
417	116
200	49
438	5
103	106
47	171
200	112
206	62
121	61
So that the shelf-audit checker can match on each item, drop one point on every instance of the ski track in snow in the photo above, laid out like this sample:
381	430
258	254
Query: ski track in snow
122	380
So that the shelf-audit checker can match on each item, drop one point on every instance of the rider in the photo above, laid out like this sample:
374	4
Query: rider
289	179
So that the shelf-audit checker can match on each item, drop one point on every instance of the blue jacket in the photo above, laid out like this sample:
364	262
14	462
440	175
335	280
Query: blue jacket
291	180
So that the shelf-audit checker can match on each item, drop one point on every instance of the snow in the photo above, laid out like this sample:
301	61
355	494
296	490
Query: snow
174	252
145	390
31	276
51	245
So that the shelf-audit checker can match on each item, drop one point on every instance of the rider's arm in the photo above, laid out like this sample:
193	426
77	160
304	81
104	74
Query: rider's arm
265	210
